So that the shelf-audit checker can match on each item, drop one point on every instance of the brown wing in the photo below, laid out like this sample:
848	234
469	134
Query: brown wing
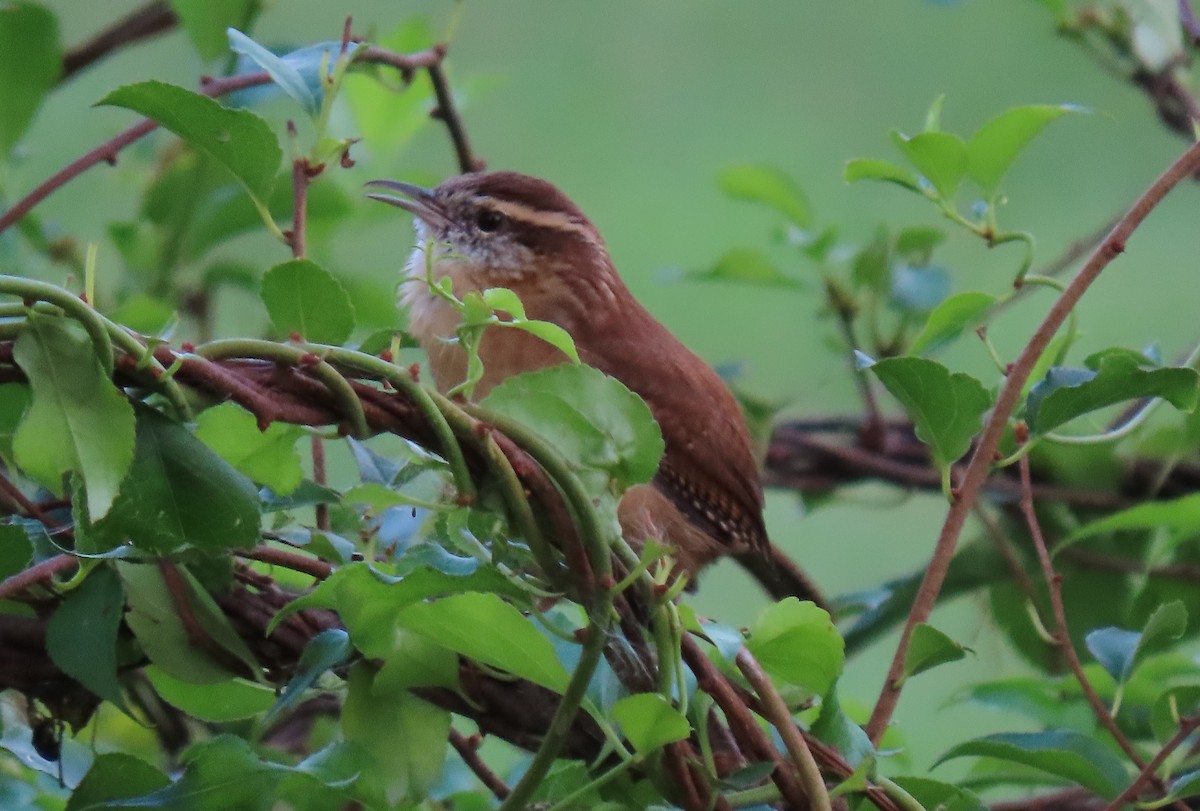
708	470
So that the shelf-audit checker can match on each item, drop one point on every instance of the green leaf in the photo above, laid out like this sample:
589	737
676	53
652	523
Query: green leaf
796	642
484	627
266	457
282	73
837	729
304	298
929	648
1038	699
1114	376
30	64
872	265
770	186
205	21
992	150
649	721
417	661
14	401
154	619
950	318
592	419
324	651
239	140
746	266
81	636
1182	787
115	776
177	493
222	772
221	702
1070	755
1181	516
946	407
404	736
503	300
1120	651
942	796
78	421
872	169
940	156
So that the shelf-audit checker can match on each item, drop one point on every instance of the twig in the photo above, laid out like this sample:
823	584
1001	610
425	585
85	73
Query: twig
777	713
749	736
1061	631
22	581
288	560
447	112
981	460
1186	727
468	751
148	21
14	494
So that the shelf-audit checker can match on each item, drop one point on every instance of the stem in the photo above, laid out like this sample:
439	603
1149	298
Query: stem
1186	727
978	468
93	323
777	713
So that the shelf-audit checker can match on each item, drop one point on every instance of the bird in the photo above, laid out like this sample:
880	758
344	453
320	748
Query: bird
507	229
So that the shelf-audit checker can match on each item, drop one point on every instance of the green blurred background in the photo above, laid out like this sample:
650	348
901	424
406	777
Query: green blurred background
632	108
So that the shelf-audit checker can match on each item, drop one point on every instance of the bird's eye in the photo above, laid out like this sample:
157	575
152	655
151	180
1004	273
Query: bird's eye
488	219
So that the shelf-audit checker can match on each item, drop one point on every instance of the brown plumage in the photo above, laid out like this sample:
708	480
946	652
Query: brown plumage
504	229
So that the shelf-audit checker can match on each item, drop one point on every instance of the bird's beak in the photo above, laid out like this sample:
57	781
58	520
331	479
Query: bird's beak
417	200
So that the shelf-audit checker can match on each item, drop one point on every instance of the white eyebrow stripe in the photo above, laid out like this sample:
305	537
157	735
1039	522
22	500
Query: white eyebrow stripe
533	216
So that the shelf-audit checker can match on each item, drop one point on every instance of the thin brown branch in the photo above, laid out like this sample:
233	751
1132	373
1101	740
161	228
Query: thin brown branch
288	560
1061	631
1186	727
468	750
142	23
40	573
447	112
750	738
21	502
979	467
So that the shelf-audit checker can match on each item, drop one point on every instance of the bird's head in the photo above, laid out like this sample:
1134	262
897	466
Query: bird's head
501	228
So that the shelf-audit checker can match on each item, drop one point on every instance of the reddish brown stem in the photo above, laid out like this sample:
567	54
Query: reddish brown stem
979	467
468	752
148	21
1186	727
288	560
22	581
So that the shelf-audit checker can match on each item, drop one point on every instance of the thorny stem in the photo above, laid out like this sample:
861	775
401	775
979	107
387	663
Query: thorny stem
980	464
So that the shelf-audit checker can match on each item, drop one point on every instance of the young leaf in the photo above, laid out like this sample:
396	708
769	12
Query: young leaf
81	636
327	649
592	419
837	729
746	266
484	627
78	421
928	649
1070	755
205	21
30	63
950	318
940	156
177	493
1119	651
770	186
1114	377
946	407
797	643
266	457
239	140
283	74
303	297
872	169
992	150
650	722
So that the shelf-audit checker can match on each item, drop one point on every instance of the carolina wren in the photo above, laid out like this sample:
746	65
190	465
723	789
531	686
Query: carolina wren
504	229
